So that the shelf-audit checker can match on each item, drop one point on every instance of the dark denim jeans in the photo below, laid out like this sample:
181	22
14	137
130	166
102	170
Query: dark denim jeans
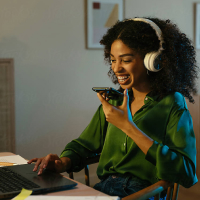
122	186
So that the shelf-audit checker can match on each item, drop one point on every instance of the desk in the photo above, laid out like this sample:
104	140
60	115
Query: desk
79	190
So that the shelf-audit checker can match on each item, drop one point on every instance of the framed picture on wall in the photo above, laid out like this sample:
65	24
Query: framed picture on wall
101	14
197	26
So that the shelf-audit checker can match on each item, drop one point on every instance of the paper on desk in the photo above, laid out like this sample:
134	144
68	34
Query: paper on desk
16	159
42	197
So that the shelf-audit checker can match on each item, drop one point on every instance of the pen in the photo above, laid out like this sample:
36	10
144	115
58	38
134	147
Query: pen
6	164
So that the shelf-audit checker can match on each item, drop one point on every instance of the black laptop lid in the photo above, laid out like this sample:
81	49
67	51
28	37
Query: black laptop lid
47	182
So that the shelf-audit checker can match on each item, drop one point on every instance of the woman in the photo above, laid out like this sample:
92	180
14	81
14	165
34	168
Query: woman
148	136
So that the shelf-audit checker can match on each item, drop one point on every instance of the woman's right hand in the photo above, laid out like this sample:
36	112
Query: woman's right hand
51	162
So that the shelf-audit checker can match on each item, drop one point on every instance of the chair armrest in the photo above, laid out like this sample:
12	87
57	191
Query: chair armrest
88	161
149	191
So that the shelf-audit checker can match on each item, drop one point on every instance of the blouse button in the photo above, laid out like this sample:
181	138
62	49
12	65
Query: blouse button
146	98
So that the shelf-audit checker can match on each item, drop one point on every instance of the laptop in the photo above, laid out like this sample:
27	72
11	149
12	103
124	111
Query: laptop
14	178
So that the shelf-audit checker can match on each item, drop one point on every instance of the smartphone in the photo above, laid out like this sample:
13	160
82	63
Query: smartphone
110	92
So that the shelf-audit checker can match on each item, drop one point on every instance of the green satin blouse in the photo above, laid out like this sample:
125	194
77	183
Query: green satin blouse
172	156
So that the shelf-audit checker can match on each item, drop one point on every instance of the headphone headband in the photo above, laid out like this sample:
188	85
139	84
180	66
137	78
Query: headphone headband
152	59
155	27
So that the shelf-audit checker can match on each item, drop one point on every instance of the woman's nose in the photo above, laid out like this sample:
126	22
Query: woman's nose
116	67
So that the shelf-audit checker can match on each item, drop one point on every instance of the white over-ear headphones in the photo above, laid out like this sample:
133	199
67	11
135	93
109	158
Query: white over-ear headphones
151	59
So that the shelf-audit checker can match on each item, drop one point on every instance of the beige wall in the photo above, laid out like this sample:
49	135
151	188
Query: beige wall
54	73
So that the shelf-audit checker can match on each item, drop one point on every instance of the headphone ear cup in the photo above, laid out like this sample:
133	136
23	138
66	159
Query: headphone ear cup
152	61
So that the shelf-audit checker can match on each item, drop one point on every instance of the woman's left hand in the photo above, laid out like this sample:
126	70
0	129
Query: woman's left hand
119	116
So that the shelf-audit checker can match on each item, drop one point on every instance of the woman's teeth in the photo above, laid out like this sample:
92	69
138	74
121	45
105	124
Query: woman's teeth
122	78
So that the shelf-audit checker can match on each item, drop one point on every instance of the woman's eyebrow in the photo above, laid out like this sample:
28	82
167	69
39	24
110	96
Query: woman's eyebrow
123	55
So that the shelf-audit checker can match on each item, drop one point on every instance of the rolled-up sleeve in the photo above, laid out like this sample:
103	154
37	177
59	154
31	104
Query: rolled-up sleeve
175	158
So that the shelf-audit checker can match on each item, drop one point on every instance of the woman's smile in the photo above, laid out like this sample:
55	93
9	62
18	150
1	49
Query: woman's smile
123	79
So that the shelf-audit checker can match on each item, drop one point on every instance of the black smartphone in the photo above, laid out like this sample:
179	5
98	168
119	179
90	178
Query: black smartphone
110	92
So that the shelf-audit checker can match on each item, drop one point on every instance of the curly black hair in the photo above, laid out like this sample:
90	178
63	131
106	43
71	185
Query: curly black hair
178	59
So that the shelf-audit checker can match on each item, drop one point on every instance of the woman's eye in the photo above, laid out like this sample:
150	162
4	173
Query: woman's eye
126	61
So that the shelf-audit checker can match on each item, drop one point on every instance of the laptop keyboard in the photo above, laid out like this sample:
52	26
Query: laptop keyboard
10	181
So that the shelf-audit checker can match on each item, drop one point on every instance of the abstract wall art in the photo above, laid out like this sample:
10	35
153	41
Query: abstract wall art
101	14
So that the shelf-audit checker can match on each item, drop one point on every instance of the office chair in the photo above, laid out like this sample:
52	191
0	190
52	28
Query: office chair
152	190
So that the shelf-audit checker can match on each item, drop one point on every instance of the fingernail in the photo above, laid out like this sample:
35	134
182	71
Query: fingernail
44	166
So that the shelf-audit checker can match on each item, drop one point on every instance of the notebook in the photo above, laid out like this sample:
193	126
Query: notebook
14	178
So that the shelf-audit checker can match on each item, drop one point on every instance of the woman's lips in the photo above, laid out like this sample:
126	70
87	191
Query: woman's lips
123	79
